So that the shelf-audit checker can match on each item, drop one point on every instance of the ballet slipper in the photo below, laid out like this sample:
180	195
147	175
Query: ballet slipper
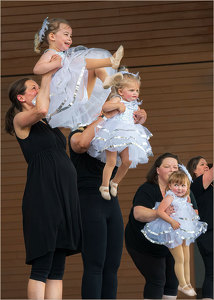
112	80
104	190
113	190
117	56
190	286
187	291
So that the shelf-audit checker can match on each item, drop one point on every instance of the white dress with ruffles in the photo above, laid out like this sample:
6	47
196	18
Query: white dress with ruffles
120	132
69	103
161	232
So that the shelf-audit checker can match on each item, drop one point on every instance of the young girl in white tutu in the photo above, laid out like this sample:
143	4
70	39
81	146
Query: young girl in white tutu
119	140
179	229
76	95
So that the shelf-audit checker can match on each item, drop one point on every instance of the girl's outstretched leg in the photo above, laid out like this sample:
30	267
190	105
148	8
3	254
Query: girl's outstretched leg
186	252
113	61
107	171
121	172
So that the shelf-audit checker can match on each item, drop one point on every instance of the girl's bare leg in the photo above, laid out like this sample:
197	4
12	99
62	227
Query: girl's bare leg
36	289
125	164
178	255
92	76
109	167
53	289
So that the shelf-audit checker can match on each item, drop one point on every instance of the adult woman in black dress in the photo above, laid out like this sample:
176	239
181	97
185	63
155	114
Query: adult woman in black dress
51	213
202	188
101	219
154	261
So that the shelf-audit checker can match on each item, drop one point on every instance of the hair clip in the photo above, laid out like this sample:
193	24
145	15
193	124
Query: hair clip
43	29
184	169
133	74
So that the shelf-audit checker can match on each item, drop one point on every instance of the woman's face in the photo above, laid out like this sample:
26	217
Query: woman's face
31	91
168	166
201	168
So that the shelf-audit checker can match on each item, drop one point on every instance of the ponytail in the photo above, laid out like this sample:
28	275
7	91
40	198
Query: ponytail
37	43
17	88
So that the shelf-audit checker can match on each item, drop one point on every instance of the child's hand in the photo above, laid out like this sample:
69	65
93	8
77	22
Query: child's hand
121	107
175	225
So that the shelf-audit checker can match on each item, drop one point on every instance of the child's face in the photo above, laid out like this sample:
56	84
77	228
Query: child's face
130	91
179	189
62	39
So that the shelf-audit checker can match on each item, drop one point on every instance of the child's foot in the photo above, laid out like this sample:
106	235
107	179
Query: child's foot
186	290
190	286
117	56
104	190
112	80
113	190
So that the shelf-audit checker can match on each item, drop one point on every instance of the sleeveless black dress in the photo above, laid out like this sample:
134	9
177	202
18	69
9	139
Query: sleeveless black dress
51	211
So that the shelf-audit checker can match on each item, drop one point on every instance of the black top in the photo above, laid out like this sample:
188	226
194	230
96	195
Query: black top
147	195
89	169
51	212
204	199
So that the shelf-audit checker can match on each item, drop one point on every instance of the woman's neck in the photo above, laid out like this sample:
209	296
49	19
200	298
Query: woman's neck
162	186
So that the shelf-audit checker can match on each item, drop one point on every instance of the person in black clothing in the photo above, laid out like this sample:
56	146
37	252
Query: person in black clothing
51	212
101	219
202	188
155	262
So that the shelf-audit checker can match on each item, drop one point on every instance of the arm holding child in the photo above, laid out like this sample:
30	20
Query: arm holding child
161	211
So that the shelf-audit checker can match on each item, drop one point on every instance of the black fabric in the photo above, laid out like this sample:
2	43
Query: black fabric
51	211
158	273
102	230
49	266
204	198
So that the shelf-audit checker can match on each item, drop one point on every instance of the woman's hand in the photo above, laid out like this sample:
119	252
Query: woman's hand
140	116
121	107
170	210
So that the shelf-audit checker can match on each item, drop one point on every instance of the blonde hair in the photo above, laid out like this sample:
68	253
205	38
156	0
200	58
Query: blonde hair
127	78
179	177
52	26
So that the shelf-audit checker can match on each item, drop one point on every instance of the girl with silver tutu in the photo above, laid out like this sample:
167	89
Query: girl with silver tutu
81	85
119	140
179	229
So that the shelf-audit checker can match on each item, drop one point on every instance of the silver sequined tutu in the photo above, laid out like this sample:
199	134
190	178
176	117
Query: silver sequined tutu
121	132
69	103
161	232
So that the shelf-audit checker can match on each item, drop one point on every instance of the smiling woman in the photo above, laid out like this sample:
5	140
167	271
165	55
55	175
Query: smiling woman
75	82
51	213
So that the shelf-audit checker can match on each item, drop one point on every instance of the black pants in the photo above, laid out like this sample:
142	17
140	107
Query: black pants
158	273
49	266
205	246
103	242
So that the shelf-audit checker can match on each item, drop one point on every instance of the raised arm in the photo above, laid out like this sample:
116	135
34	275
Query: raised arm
208	178
48	61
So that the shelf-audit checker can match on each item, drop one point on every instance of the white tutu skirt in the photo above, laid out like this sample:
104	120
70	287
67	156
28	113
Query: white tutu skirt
116	135
69	103
161	232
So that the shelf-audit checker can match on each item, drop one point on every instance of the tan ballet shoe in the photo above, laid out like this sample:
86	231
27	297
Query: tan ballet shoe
117	56
112	80
104	190
113	190
186	290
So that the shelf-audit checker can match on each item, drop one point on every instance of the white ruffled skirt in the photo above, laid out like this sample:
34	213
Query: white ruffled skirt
116	135
69	103
161	232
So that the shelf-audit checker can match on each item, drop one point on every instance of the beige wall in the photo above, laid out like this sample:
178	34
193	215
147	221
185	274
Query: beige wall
170	44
